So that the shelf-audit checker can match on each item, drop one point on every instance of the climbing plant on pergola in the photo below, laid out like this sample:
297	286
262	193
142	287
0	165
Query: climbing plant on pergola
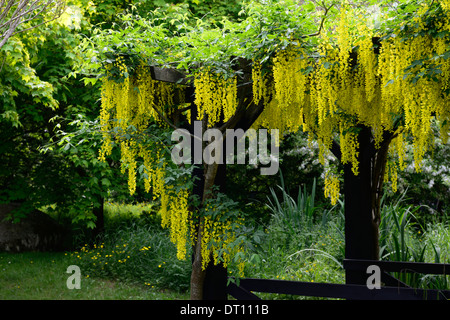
356	91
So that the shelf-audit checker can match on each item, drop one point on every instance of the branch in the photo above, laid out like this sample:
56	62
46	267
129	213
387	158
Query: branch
336	150
321	23
162	116
245	115
25	12
170	124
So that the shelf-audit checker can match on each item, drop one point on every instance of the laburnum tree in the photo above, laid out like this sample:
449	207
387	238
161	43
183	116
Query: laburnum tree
358	88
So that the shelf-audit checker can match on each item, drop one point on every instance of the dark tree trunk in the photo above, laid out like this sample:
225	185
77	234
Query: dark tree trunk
99	218
197	274
362	194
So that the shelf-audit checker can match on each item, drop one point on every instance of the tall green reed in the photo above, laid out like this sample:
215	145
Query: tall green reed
401	240
293	213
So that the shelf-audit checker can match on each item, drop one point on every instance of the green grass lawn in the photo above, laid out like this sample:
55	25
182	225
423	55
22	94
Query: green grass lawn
42	276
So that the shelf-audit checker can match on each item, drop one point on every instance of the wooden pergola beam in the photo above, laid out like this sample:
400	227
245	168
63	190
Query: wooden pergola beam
169	75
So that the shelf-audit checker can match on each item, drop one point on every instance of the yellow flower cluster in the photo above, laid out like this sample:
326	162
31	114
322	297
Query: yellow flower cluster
131	103
331	188
288	91
345	90
421	101
344	43
174	211
215	97
390	174
398	146
260	84
349	144
445	4
217	237
178	221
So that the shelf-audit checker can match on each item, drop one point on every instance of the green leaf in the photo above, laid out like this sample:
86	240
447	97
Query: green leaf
327	65
106	182
90	224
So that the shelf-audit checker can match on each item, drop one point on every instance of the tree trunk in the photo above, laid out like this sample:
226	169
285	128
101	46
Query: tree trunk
100	218
198	273
211	282
362	195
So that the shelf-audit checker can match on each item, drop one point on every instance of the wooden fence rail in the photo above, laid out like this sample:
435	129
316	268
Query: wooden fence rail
395	290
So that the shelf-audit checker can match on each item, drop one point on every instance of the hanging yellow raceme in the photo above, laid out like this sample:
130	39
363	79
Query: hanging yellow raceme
107	92
215	97
331	188
217	237
346	90
131	102
129	105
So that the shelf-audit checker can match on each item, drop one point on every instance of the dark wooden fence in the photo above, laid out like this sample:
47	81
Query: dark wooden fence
391	289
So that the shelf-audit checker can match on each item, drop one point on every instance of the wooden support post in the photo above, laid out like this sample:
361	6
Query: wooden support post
215	286
361	234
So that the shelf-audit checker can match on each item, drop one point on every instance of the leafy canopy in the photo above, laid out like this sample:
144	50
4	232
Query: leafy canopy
332	78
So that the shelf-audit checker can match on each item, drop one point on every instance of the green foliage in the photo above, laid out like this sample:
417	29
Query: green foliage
315	251
210	9
396	218
403	239
429	188
174	38
293	213
314	254
134	237
17	77
135	250
92	180
38	97
34	88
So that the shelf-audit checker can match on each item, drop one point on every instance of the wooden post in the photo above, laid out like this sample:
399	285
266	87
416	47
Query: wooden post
215	286
100	218
361	235
362	202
